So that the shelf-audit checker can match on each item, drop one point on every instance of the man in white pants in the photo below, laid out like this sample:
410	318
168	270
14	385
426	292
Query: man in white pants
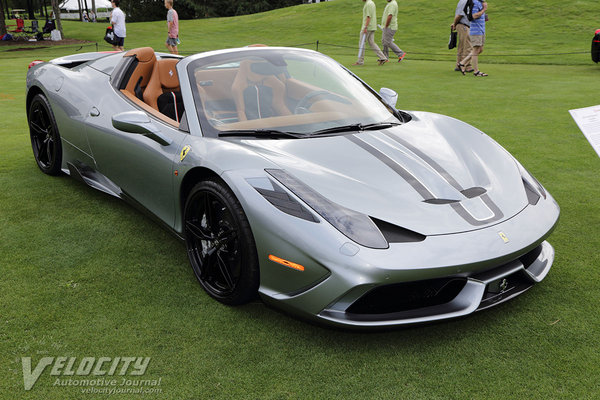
389	24
369	26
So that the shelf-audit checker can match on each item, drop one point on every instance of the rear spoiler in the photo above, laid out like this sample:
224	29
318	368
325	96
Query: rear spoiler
77	59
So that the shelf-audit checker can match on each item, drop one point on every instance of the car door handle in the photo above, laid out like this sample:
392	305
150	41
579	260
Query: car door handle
94	112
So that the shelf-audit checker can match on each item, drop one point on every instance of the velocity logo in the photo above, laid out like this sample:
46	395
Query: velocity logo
70	366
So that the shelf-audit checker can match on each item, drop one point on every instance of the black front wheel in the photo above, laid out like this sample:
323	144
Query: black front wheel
220	244
45	139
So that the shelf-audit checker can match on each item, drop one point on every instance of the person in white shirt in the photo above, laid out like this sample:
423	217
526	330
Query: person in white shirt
117	20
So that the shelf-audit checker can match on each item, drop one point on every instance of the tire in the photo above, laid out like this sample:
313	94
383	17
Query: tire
45	138
220	244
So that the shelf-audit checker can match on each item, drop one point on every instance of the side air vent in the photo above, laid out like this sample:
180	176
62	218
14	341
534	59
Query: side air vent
395	234
532	196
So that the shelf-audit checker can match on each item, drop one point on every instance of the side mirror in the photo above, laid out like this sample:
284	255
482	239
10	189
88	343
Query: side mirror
389	96
139	122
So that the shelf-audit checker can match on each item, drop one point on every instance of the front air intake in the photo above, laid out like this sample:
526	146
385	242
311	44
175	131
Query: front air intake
408	296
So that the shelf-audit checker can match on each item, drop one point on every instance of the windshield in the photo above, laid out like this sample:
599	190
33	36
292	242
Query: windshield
281	90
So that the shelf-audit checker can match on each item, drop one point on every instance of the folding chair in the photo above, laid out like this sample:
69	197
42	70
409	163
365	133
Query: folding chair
34	30
48	27
20	29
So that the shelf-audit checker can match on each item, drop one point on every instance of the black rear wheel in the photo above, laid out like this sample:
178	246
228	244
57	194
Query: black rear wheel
220	244
45	139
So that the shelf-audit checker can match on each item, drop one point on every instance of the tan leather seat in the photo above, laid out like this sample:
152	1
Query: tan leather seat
248	85
164	79
141	74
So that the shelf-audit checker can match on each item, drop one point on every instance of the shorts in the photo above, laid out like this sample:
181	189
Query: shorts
172	41
477	40
119	41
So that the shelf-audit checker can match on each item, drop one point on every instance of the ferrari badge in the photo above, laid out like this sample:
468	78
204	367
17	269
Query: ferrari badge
184	152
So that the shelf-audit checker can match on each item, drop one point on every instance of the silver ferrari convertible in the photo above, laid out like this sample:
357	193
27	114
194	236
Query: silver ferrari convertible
290	178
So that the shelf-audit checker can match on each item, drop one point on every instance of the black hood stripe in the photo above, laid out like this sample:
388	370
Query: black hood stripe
430	161
407	176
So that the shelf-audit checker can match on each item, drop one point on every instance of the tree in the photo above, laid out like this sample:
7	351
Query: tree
43	11
154	10
30	10
56	12
24	4
4	3
2	23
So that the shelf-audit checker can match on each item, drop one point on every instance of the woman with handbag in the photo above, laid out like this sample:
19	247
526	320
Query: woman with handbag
117	19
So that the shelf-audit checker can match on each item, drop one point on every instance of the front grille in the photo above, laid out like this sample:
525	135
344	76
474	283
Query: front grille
504	289
503	282
408	296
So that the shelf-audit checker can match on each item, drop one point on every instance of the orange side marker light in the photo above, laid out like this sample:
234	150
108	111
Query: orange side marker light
287	263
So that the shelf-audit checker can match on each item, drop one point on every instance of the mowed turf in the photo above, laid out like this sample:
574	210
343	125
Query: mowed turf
83	274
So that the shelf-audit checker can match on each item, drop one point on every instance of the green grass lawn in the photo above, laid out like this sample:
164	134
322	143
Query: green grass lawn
83	274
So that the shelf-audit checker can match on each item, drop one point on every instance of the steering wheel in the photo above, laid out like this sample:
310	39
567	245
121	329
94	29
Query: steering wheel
303	105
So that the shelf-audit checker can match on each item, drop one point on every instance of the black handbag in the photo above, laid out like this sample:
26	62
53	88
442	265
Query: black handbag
453	39
109	36
596	47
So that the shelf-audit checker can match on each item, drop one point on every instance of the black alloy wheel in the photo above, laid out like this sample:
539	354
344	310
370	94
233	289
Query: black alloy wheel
45	139
220	244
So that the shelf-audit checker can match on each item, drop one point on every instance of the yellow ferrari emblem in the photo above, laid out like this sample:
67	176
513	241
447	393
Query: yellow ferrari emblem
503	237
184	152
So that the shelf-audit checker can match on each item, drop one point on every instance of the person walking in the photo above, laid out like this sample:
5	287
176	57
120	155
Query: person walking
367	34
389	25
477	35
172	27
117	20
462	25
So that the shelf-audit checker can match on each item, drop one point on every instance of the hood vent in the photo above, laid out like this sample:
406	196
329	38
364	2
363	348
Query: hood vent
395	234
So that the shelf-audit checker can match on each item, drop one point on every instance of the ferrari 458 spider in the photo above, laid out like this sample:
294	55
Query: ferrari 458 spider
289	177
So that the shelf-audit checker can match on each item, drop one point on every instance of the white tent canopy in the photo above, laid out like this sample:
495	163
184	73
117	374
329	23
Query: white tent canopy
73	4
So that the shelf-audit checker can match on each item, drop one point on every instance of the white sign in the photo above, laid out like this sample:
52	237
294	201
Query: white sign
588	120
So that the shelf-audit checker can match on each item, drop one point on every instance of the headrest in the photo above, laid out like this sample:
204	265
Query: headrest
168	73
143	54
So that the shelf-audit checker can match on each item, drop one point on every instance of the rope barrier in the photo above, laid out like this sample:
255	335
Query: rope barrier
355	48
20	50
317	45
